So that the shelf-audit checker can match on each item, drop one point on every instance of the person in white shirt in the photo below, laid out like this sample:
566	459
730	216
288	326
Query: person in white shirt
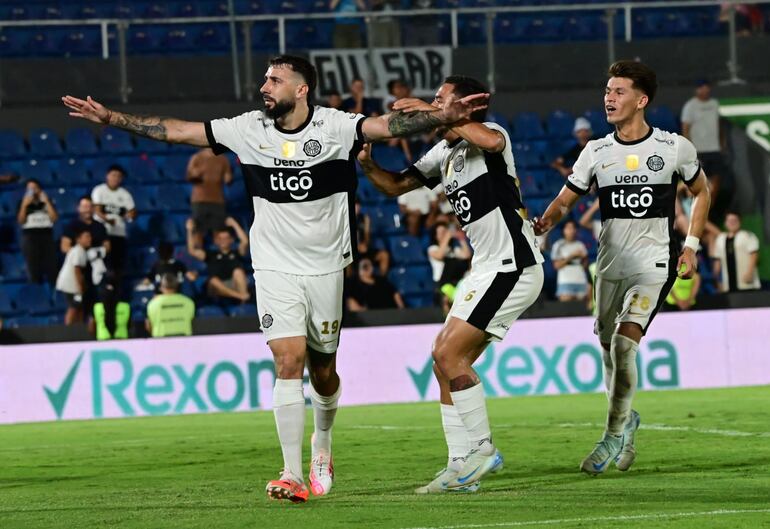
298	165
72	281
736	254
635	170
36	217
114	207
569	257
419	208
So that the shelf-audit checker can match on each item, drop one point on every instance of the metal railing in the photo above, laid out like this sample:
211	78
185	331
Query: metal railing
610	9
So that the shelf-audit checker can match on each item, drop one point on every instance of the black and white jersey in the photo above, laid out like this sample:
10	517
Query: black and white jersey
483	190
637	183
302	183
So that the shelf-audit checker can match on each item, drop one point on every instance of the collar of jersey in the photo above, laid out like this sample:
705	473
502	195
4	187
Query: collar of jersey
451	145
311	109
634	142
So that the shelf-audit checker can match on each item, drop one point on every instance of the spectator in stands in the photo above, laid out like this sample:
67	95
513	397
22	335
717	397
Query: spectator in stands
419	208
100	247
380	256
72	279
170	313
748	18
370	291
583	134
683	293
358	103
209	174
167	264
736	254
700	125
569	257
114	208
450	256
111	315
334	100
347	31
385	30
36	216
227	277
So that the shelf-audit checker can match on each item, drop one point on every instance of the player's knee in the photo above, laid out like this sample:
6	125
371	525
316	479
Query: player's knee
439	374
288	364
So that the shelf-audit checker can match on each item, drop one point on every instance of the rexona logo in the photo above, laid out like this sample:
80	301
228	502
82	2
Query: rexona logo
297	185
159	390
564	369
632	201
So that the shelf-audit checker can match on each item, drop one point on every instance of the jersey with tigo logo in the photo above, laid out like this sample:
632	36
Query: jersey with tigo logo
636	183
483	190
302	184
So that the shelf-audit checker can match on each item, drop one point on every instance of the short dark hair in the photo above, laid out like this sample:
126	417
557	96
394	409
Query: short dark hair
393	82
300	65
117	167
642	76
570	221
34	181
465	86
86	197
732	212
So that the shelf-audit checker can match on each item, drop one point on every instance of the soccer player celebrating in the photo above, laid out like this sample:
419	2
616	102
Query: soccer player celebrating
474	164
299	168
636	170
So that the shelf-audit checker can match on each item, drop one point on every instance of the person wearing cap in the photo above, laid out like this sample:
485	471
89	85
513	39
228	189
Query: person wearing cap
583	134
170	313
700	125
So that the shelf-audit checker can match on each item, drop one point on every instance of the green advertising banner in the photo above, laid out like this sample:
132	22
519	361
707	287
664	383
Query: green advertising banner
752	114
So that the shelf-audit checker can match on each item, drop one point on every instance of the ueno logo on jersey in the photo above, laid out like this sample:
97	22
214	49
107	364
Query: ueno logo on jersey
462	206
288	163
297	185
633	201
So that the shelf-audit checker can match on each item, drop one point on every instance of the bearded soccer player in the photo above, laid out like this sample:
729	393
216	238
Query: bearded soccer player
474	165
636	170
298	162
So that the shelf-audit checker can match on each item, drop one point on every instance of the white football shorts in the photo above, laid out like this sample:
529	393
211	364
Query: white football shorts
289	305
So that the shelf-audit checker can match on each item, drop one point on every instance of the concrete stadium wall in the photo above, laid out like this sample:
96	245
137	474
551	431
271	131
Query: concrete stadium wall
235	372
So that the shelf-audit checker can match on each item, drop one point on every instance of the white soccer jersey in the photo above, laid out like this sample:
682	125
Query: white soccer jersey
637	183
116	202
484	192
302	183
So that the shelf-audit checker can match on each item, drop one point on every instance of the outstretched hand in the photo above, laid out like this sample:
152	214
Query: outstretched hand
88	109
457	109
412	104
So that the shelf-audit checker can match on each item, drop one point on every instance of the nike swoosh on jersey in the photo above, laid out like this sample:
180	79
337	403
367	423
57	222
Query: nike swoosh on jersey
265	147
606	165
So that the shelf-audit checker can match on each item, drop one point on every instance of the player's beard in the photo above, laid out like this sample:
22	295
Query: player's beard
280	109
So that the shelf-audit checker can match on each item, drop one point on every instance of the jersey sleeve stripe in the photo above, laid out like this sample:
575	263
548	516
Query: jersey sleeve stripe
691	181
576	189
430	183
360	129
218	148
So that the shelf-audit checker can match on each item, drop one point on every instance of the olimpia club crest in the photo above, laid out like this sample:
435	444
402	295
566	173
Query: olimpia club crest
655	163
312	148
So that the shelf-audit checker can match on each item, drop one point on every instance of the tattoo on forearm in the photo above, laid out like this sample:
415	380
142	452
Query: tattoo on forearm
150	126
402	124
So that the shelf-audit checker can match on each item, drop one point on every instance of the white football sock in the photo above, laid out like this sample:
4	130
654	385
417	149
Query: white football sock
472	409
624	382
289	411
324	410
456	436
608	371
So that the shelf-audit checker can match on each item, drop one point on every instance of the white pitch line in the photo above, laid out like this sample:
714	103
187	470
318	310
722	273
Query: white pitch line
619	518
668	428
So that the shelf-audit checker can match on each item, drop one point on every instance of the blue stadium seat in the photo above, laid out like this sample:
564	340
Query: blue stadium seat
12	267
184	9
210	311
419	300
141	258
368	194
148	145
38	169
246	309
27	321
145	198
8	231
407	249
115	141
66	198
145	38
589	26
142	231
525	157
174	197
6	304
559	124
81	141
9	204
527	126
11	144
143	170
412	280
213	38
45	43
74	171
173	166
385	219
154	10
34	299
472	29
139	301
180	39
529	185
389	158
44	142
82	41
663	118
598	119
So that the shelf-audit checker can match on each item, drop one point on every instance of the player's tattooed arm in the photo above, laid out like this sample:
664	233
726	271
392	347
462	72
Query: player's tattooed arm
407	124
158	128
387	182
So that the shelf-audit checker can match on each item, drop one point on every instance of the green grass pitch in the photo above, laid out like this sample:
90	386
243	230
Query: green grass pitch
703	462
